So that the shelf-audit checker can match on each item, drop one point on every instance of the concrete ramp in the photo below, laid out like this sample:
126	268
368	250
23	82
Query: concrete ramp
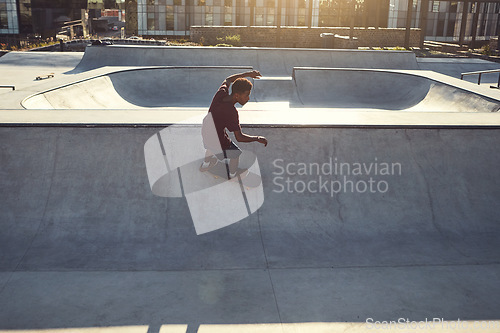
138	88
270	62
352	218
335	88
383	89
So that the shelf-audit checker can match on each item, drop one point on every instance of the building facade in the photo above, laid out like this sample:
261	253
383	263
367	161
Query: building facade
40	18
444	19
175	17
9	17
164	18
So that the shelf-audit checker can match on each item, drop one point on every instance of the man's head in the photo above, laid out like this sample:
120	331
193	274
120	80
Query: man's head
241	89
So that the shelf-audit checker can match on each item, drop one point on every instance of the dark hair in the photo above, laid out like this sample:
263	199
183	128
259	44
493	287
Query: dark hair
241	85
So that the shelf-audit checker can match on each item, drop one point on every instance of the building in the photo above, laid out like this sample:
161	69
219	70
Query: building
44	18
12	12
444	19
174	17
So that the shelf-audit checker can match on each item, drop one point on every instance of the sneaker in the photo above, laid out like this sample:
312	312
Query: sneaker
208	165
239	172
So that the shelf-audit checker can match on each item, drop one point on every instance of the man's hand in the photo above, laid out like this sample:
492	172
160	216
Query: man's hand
254	74
230	79
242	137
262	140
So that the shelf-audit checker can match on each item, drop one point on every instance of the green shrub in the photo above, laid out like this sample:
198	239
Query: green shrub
234	40
486	50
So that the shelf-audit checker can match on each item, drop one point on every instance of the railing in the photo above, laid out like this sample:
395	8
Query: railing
480	73
9	87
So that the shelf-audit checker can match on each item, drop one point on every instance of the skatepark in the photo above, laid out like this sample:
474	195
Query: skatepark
377	208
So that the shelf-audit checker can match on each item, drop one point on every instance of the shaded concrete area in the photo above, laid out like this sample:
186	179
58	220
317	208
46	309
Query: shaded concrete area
272	61
86	244
386	90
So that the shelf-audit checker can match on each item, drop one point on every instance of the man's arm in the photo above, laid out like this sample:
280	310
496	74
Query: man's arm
242	137
230	79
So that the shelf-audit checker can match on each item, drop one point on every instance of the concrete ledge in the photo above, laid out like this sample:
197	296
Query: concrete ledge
265	36
250	116
438	326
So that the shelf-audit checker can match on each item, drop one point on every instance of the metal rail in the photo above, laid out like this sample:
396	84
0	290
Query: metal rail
9	87
480	73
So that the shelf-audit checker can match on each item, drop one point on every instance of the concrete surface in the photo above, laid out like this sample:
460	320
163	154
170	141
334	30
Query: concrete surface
273	62
99	83
367	89
387	90
86	244
86	247
454	67
139	88
313	87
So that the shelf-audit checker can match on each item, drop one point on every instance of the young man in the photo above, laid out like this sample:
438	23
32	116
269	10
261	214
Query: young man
223	115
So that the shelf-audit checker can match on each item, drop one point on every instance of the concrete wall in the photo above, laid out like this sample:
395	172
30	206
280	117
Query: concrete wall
302	36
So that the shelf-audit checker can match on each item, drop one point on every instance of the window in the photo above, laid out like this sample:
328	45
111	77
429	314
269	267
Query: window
209	19
259	16
270	16
435	6
450	31
440	28
301	19
169	18
453	7
227	19
151	23
4	23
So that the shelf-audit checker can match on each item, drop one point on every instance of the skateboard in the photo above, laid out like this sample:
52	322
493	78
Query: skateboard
43	77
247	178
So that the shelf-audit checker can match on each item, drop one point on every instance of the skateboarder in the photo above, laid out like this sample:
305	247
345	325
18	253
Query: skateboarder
223	115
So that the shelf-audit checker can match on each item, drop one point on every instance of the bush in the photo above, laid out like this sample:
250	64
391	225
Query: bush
234	40
223	45
486	50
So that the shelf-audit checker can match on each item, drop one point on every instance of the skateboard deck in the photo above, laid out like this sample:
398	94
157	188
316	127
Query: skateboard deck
248	179
43	77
